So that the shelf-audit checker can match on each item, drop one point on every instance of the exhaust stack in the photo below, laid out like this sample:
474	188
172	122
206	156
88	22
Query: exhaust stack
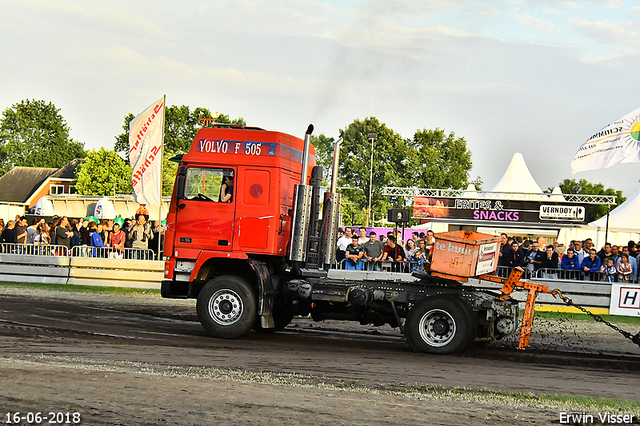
331	214
302	207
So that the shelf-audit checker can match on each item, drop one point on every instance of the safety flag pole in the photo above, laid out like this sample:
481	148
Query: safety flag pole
164	115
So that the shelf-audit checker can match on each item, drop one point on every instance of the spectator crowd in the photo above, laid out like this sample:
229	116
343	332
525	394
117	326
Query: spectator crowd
355	250
579	260
114	235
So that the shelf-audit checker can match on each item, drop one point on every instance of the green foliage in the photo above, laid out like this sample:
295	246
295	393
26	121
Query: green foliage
180	128
571	186
103	172
84	289
34	134
432	159
169	171
439	160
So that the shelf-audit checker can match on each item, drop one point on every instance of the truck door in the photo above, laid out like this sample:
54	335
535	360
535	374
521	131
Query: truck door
205	214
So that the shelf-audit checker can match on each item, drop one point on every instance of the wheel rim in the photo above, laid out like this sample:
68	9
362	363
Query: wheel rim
225	307
437	327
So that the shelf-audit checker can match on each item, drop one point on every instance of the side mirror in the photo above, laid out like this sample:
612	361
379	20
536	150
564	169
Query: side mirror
180	187
180	181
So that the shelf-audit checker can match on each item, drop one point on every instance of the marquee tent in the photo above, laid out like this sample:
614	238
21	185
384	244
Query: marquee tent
623	218
624	225
517	178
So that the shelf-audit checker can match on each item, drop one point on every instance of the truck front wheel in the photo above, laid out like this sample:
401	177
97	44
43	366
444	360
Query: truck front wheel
227	307
440	324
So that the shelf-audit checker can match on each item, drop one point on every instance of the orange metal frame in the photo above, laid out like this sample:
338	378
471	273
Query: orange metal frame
508	285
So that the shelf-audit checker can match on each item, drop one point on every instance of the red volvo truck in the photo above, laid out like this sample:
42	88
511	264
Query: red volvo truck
250	237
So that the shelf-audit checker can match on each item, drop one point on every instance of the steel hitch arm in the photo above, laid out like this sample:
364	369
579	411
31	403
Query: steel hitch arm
508	285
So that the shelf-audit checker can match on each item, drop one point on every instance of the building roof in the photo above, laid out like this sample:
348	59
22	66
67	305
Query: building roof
17	185
20	183
68	171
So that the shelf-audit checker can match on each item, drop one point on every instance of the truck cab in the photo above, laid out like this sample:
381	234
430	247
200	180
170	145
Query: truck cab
232	200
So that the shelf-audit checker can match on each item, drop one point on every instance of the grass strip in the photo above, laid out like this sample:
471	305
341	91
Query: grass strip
82	288
617	319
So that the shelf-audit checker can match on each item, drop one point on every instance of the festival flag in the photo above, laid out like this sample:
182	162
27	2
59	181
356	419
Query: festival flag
146	134
618	142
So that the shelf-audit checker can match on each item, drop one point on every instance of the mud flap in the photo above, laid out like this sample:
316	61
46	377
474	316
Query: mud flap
266	292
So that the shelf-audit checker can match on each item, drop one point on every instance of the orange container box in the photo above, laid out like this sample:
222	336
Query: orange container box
458	255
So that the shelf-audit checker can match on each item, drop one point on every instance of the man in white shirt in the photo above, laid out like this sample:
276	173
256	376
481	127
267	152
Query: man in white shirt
342	244
362	231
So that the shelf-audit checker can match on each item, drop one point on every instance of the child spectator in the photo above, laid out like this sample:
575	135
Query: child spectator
625	268
609	270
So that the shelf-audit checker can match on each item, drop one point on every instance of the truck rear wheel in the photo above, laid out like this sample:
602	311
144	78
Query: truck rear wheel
227	307
282	317
440	324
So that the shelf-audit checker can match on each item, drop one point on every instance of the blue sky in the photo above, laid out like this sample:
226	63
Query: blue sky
536	77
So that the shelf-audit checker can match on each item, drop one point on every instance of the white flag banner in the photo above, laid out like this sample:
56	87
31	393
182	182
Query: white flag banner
618	142
145	154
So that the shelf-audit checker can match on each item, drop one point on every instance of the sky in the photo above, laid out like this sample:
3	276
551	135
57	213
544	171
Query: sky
537	77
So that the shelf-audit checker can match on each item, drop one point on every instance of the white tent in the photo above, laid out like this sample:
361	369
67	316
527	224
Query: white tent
517	178
623	218
44	207
556	195
624	225
104	209
471	192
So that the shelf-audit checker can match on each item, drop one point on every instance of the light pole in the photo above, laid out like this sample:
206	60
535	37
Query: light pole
373	136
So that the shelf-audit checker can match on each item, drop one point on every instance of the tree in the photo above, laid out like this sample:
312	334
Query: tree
432	159
103	173
595	211
439	160
169	170
34	134
180	128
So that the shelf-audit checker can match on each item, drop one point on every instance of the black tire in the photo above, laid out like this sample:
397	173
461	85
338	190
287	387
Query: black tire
282	317
227	307
440	324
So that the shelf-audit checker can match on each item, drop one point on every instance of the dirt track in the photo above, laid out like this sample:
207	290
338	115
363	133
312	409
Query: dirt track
145	360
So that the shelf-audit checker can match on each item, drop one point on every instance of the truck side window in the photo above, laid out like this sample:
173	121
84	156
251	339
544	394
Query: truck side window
213	185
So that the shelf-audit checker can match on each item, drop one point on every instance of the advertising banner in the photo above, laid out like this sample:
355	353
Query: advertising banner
625	299
146	134
499	211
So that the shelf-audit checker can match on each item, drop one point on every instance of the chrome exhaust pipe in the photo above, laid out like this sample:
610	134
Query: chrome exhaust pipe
334	167
302	206
329	234
305	155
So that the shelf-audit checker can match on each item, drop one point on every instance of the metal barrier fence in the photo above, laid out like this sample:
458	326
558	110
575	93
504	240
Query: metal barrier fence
29	249
112	253
85	266
77	251
564	274
387	266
